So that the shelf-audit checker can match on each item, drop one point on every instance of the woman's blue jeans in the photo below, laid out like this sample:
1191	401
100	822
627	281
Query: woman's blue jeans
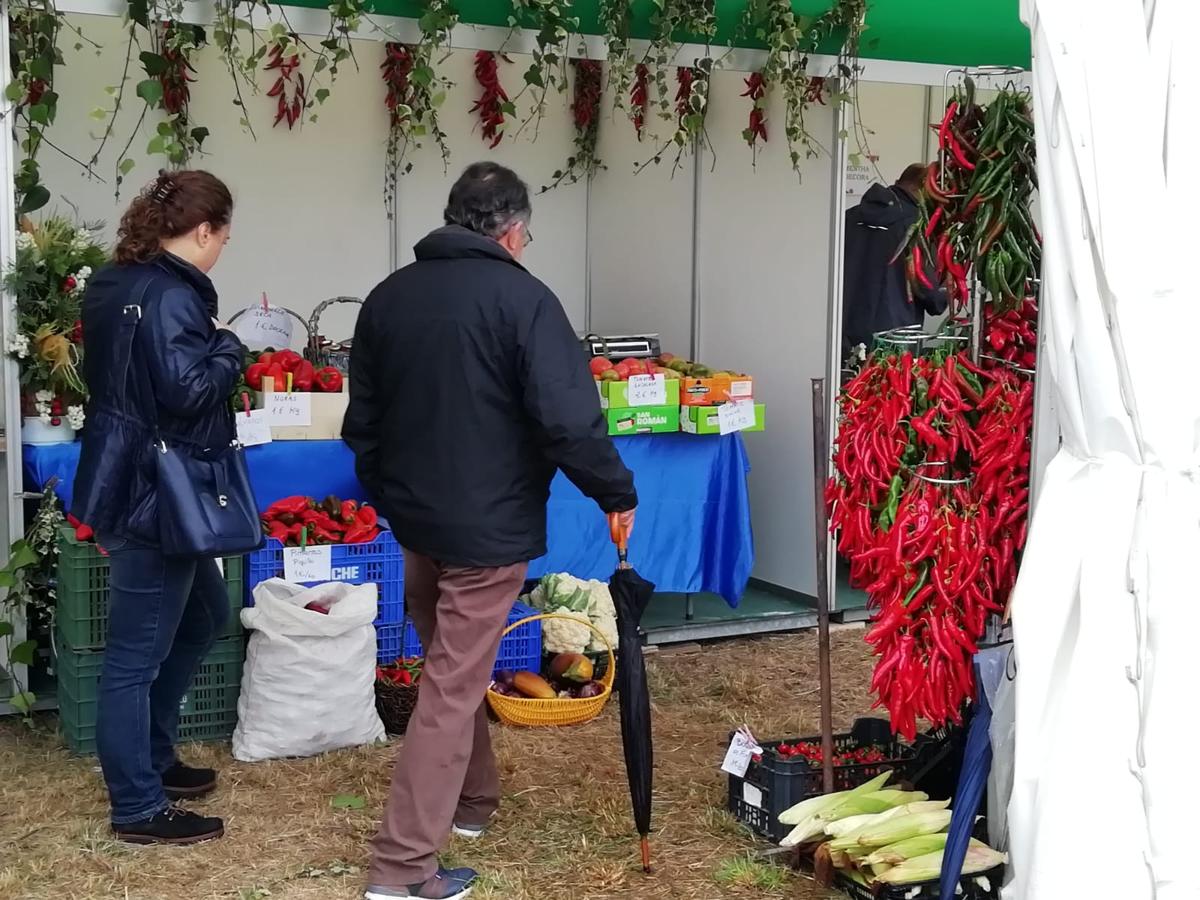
164	617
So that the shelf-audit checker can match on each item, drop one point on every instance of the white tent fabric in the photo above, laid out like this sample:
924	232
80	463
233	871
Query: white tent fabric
1105	607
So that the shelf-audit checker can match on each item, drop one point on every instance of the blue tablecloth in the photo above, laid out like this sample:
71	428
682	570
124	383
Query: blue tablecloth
693	529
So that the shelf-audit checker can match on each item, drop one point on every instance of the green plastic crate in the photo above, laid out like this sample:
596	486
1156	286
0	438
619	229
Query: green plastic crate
82	615
208	711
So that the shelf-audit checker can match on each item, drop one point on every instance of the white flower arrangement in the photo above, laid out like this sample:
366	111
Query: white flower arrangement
75	417
18	345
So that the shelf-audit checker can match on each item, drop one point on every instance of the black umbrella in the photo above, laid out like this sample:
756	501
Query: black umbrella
631	592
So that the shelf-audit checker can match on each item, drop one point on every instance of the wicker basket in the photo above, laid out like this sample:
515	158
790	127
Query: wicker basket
328	353
534	713
395	704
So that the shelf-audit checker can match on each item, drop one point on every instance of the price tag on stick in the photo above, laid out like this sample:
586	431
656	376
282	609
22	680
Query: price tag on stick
738	416
253	428
741	750
647	390
306	565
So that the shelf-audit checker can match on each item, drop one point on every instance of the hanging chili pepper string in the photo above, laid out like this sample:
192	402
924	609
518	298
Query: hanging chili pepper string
493	102
756	127
639	98
289	105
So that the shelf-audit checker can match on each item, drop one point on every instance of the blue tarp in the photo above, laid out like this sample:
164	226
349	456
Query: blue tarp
693	529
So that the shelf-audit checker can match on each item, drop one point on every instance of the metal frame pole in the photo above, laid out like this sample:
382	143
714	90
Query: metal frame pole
696	182
833	367
820	454
10	440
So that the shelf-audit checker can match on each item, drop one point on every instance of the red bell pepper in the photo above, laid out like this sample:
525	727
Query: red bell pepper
302	376
288	359
278	375
329	380
254	375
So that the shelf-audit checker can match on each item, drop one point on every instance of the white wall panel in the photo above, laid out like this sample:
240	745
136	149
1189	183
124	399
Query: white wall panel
640	234
764	272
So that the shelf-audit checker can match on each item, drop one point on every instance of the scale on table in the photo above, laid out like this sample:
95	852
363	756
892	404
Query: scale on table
622	346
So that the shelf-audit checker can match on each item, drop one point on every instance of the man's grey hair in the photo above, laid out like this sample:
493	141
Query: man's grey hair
488	199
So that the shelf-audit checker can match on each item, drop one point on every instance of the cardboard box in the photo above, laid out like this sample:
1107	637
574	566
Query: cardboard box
711	391
326	412
704	419
642	420
615	394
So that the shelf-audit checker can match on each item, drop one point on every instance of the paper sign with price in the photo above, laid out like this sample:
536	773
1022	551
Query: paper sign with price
733	417
253	428
304	565
260	327
741	750
647	390
294	410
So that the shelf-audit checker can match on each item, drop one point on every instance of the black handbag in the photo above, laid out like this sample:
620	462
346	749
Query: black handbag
206	507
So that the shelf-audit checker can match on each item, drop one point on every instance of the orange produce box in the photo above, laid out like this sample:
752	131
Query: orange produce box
718	389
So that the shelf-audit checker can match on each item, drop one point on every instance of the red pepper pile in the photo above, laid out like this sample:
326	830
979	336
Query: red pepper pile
929	504
493	101
756	90
287	109
402	673
1012	334
811	751
305	378
300	521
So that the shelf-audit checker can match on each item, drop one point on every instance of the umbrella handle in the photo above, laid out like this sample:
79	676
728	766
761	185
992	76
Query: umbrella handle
620	536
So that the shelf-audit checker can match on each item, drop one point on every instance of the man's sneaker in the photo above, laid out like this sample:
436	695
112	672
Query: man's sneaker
182	782
470	832
447	884
171	826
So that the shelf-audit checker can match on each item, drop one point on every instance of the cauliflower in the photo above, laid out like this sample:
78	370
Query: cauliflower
568	635
583	600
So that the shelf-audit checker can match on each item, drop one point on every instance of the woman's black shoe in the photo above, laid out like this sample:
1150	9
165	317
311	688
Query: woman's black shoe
182	782
171	826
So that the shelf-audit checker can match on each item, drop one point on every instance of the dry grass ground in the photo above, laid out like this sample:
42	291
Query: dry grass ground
564	831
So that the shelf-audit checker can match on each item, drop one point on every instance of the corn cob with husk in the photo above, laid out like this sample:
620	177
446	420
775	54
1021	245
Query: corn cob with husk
979	858
801	811
894	830
814	826
895	854
851	823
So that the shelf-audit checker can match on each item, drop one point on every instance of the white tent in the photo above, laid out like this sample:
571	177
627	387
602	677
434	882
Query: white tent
1104	606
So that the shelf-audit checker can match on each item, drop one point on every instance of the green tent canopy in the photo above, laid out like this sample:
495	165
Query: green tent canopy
942	32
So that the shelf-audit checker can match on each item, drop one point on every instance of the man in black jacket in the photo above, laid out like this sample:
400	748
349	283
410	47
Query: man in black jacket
875	296
468	390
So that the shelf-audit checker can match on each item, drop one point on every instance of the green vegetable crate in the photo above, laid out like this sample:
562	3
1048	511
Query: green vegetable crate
208	711
83	593
642	420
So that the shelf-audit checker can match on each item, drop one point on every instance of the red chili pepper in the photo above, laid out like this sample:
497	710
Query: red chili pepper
491	103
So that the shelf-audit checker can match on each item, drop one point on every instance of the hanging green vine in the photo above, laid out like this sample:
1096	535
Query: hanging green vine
671	20
616	19
691	114
584	163
553	22
34	26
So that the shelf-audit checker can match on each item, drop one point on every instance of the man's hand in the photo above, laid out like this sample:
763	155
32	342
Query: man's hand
626	519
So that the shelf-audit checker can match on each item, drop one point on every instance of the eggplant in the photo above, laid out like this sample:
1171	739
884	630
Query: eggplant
504	677
591	689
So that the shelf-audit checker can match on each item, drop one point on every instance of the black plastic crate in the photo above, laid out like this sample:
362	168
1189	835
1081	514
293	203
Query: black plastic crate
774	785
984	886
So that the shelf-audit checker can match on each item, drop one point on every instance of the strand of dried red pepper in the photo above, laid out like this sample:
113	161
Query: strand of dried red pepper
289	106
492	102
756	128
639	98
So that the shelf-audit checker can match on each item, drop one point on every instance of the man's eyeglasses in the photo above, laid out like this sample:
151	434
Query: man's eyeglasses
528	236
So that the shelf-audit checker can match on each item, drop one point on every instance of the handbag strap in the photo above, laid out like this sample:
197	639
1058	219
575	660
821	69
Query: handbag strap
131	317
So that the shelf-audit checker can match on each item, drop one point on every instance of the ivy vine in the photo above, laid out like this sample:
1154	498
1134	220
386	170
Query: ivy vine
585	114
553	22
670	20
691	114
415	93
34	26
616	19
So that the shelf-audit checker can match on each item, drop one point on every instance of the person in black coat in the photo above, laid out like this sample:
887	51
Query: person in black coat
875	296
468	390
164	613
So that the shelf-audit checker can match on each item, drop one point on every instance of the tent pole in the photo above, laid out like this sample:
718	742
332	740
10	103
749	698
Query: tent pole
821	458
697	150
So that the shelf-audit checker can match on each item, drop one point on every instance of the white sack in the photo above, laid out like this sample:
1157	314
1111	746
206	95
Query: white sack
309	682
